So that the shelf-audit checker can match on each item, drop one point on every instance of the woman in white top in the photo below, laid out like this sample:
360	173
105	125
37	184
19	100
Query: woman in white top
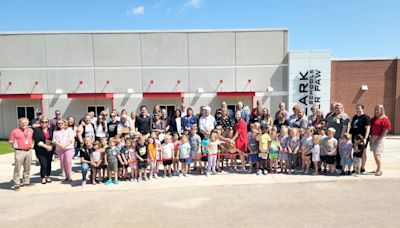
100	128
64	139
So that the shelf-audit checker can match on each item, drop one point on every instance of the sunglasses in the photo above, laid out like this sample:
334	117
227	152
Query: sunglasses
112	116
43	121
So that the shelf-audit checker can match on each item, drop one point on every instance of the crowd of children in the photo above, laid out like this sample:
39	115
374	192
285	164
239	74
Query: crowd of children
291	151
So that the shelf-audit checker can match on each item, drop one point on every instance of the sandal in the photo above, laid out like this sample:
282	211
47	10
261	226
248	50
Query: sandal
378	174
48	180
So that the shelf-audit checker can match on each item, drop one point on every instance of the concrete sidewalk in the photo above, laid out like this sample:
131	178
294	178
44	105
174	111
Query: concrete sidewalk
216	201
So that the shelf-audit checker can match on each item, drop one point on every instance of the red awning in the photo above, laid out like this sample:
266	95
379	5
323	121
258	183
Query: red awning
22	96
236	94
163	95
90	95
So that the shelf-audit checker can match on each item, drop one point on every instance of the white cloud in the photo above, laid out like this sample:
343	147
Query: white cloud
137	11
194	3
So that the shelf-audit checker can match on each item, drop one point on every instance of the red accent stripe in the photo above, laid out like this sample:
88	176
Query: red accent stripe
162	95
236	94
90	95
22	96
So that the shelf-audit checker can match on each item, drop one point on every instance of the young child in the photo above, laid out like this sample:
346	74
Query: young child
273	149
152	151
330	146
143	157
157	142
322	149
315	151
119	144
204	150
112	158
253	148
345	149
195	150
293	147
125	159
176	141
283	152
263	144
358	150
104	143
167	155
184	152
305	147
212	152
230	147
132	159
95	161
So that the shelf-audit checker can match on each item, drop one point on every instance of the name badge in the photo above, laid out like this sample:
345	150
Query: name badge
26	142
338	121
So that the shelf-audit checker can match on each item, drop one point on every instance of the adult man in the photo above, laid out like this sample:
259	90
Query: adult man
245	114
282	109
207	122
164	118
112	126
21	140
123	127
224	107
53	122
143	121
254	110
36	122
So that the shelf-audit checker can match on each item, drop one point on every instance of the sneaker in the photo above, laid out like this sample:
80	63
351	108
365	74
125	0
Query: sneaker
116	181
146	178
214	173
155	176
139	180
16	188
362	171
250	171
259	172
207	174
83	183
184	174
108	182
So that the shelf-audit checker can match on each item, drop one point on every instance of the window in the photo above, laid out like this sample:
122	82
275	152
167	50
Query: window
96	109
28	112
170	109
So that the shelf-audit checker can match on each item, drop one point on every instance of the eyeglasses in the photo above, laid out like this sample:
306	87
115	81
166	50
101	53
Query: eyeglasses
43	122
112	116
60	123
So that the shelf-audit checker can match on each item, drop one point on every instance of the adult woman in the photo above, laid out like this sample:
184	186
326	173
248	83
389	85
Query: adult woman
301	121
380	125
361	125
100	128
71	124
226	120
44	150
266	118
316	118
292	118
176	122
188	120
338	120
240	138
280	121
87	148
157	125
64	139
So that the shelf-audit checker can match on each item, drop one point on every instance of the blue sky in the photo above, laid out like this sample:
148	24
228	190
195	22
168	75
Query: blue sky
349	28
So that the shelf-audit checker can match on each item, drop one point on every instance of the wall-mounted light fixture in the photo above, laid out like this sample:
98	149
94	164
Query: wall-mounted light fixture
270	89
364	87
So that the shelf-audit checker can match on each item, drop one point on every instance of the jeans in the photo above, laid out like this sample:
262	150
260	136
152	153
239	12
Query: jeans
85	168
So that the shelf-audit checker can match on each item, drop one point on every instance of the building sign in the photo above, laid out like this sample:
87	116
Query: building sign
310	89
309	80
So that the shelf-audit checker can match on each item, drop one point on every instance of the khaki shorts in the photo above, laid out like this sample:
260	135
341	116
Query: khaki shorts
376	145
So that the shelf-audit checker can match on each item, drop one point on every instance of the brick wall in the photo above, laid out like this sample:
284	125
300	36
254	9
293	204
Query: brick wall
382	78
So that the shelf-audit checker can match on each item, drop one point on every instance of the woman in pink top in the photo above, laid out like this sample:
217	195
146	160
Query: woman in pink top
64	139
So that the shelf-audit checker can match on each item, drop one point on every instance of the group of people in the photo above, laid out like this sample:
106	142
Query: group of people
122	146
